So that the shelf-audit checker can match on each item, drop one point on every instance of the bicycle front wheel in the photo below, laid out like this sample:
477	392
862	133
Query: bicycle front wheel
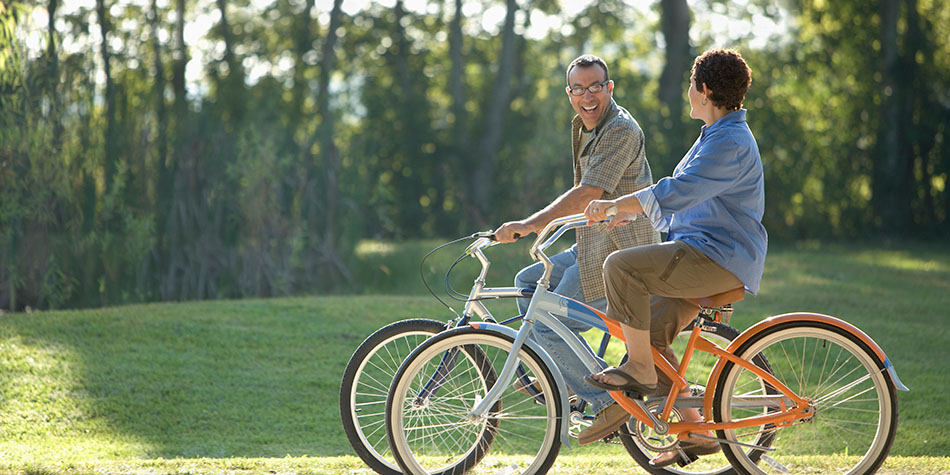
855	403
365	385
427	411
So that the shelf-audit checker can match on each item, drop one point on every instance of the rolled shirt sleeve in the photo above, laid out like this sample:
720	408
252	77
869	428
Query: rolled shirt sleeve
652	210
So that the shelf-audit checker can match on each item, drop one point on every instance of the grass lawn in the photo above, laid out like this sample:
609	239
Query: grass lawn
252	386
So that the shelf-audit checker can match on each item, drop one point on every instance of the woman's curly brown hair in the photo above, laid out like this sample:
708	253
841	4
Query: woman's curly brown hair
726	73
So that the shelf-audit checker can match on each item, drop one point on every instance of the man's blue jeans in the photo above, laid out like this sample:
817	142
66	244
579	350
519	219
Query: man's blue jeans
565	280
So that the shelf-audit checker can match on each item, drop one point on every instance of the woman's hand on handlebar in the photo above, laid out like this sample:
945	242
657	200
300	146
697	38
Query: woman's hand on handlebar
512	231
600	210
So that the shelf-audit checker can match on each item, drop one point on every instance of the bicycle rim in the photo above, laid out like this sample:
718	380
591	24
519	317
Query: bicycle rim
855	406
436	436
366	384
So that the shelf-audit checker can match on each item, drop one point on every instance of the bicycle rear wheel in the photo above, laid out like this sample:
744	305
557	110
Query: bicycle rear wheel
855	418
427	419
365	385
700	366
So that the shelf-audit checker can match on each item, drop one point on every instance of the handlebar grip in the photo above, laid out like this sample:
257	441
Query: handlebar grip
492	237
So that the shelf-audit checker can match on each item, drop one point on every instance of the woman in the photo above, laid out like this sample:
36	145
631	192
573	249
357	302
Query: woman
711	208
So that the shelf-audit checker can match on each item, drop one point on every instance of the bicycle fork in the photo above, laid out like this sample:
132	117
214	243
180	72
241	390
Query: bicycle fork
507	373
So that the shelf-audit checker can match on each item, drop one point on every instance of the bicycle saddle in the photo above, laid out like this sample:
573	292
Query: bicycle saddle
719	300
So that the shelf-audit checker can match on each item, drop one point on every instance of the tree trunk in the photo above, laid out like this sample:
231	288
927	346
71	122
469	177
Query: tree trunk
174	200
675	24
888	167
459	160
181	60
163	169
305	183
411	119
161	111
332	263
53	58
303	44
480	181
110	159
234	82
913	144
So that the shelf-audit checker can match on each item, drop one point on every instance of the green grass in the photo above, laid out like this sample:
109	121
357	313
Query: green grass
252	386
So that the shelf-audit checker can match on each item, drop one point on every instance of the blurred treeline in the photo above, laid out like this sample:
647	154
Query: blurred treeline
138	166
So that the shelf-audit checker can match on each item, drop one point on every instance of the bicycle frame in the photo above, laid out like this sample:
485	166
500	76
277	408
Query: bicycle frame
546	306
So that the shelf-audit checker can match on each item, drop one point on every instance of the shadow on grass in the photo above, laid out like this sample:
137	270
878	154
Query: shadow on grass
209	379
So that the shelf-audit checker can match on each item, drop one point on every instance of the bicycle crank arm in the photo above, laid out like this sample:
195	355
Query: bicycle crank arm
660	427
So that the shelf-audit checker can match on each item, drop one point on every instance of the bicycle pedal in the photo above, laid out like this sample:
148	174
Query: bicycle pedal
634	395
686	459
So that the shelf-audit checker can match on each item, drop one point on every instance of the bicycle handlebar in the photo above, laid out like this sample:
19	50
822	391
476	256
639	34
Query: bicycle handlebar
555	228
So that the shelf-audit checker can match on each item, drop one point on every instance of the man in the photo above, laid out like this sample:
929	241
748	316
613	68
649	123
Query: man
609	162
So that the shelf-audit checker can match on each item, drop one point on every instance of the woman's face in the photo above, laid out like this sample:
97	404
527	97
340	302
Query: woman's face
695	99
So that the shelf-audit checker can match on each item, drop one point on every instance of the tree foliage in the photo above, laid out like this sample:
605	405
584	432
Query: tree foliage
142	161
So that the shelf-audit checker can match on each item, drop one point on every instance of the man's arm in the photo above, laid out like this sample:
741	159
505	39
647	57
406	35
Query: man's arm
572	201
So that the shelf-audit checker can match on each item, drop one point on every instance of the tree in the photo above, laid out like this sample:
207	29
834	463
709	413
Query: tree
110	157
481	178
675	20
332	264
460	155
890	171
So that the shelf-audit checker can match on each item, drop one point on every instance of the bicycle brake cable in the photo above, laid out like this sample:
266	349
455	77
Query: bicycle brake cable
422	273
455	294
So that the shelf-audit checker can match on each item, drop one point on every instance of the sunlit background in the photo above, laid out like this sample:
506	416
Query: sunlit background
253	155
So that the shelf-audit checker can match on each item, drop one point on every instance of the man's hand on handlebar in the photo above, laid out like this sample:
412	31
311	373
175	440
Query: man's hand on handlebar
512	231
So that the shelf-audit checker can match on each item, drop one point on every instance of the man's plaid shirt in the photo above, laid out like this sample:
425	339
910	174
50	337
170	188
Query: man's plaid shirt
613	159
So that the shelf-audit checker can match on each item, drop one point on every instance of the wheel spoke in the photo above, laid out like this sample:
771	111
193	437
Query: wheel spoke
848	391
436	434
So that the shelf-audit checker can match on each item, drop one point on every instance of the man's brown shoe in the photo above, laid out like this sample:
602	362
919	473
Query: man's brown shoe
605	423
523	388
520	386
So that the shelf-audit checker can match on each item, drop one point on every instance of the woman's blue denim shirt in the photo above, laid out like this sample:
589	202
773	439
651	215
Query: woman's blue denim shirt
715	199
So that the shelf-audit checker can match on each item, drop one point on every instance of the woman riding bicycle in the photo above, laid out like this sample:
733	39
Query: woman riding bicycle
711	207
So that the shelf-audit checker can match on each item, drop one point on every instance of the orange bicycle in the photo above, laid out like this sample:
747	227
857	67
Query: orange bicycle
795	393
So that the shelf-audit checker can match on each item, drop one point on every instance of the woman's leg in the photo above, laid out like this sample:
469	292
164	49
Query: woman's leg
671	269
639	362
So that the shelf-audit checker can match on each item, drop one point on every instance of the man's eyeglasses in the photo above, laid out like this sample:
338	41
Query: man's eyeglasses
593	88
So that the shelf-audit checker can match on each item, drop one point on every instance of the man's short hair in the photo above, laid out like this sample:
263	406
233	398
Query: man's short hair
586	60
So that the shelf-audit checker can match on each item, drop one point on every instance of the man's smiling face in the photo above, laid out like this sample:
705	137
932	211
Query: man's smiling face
589	106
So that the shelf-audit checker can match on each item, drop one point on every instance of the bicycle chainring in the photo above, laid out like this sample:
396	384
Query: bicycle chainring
648	437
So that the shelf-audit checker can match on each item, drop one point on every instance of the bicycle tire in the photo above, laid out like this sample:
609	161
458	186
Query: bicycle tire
363	393
446	441
854	399
698	373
